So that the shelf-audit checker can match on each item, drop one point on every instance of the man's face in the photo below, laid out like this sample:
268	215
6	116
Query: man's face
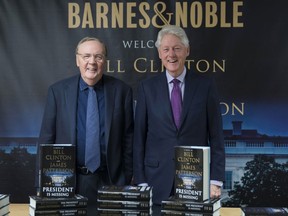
173	54
91	61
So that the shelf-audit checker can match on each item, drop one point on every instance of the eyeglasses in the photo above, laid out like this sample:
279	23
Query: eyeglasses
87	57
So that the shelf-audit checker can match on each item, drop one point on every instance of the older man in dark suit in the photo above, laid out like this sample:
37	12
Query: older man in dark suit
64	121
159	126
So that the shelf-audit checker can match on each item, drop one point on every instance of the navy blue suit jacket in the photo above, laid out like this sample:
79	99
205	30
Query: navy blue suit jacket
59	122
155	134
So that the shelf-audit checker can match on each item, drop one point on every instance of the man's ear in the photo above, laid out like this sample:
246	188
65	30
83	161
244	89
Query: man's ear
188	51
77	61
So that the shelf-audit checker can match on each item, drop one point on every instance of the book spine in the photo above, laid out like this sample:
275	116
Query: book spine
183	213
53	205
141	205
106	212
61	212
123	196
201	207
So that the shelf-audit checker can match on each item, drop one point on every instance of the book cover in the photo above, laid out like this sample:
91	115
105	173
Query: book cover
78	201
120	204
125	193
4	199
207	206
58	212
57	170
192	173
263	211
185	213
123	212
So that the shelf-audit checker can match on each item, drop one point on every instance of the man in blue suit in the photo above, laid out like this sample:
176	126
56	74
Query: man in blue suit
156	132
64	120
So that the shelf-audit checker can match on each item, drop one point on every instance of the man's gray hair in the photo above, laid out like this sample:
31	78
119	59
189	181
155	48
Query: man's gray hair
85	39
173	30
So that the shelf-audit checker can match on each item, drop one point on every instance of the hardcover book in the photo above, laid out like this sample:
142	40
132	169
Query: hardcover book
185	213
120	204
4	210
58	212
207	206
78	201
192	173
125	193
263	211
123	212
57	173
4	200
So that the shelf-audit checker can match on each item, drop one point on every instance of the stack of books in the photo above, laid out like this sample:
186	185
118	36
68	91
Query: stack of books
174	206
192	183
57	183
4	204
76	205
125	200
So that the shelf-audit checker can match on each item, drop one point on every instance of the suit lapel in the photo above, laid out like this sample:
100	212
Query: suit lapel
71	91
109	92
190	88
164	101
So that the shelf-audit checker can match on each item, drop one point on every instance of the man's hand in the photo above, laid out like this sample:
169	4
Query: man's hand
215	191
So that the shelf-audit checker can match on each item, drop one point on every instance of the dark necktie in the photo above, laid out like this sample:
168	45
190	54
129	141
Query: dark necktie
92	150
176	102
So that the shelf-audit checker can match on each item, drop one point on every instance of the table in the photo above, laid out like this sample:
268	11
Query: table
23	210
230	212
18	209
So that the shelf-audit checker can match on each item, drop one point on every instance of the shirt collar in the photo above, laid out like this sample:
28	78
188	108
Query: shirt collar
83	85
180	78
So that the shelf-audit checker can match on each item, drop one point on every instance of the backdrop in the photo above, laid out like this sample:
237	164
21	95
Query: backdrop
243	44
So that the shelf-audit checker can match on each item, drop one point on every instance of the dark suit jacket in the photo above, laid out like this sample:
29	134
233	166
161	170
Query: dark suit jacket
59	122
155	134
